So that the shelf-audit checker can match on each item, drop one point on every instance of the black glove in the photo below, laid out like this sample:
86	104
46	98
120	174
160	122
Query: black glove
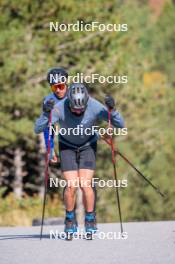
48	105
110	103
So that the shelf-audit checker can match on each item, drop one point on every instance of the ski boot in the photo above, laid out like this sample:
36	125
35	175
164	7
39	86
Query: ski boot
70	225
90	225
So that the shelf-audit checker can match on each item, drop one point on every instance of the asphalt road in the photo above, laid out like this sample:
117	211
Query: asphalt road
147	243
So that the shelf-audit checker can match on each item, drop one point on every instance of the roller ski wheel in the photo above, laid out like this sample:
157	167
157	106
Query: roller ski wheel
69	236
89	236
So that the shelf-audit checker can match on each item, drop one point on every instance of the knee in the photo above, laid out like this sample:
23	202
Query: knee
70	190
85	184
86	188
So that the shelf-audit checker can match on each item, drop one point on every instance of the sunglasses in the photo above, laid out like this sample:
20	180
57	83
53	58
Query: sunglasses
60	86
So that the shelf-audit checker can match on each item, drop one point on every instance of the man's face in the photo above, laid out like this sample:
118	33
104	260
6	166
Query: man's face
59	89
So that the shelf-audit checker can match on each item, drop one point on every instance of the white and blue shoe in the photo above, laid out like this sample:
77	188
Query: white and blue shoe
70	224
90	223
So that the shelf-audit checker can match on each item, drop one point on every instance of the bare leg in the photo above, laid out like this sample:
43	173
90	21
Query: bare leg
71	178
85	176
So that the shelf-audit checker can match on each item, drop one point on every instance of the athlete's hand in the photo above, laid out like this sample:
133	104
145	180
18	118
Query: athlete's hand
48	105
54	159
110	102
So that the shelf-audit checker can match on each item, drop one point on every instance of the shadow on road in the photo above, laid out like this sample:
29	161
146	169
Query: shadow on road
37	236
7	237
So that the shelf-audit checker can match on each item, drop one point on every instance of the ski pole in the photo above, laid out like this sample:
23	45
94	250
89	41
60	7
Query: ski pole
115	172
132	165
46	173
140	173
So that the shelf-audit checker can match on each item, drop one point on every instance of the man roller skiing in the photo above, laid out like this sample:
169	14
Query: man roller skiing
56	77
78	152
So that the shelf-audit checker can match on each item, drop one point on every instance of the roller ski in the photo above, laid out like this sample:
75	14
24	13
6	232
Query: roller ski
70	225
90	225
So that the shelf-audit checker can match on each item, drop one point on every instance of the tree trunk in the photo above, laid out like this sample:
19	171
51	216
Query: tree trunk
1	169
41	164
18	164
